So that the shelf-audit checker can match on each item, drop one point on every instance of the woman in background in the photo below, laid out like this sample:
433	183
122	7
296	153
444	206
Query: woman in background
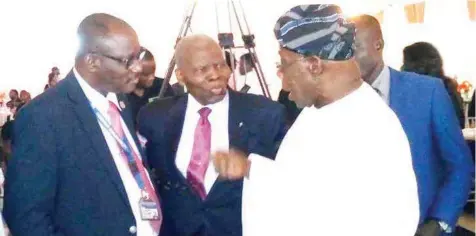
423	58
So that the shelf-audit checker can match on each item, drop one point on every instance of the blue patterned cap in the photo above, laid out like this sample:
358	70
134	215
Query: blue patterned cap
320	30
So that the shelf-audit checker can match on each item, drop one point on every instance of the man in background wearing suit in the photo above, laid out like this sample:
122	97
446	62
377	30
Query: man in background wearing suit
148	86
76	168
183	131
441	159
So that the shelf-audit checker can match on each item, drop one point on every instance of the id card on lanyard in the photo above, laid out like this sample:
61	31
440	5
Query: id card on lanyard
148	207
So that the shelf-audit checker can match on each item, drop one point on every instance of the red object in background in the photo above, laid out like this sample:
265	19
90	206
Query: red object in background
464	87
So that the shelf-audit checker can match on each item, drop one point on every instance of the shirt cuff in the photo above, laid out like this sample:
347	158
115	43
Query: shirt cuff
258	164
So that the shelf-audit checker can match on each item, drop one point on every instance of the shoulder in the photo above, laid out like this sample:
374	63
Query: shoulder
256	101
162	105
413	81
44	106
417	79
160	109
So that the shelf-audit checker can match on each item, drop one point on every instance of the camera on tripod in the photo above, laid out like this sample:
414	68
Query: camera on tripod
226	40
249	41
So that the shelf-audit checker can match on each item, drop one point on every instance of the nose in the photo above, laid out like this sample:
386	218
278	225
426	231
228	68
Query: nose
213	73
284	83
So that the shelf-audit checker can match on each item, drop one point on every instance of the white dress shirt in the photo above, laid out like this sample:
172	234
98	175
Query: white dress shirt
220	141
382	84
133	191
343	169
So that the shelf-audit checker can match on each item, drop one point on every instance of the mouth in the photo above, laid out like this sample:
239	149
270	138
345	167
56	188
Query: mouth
218	91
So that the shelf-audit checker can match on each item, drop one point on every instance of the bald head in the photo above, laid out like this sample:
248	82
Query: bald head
109	54
368	23
369	47
96	31
202	68
191	44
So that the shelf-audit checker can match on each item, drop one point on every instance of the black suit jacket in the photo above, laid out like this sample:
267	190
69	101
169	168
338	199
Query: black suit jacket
256	125
62	179
292	111
136	102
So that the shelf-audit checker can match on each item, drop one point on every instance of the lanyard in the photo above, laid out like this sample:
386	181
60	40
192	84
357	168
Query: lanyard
102	120
123	144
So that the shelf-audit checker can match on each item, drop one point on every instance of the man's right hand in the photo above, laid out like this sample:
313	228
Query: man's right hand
231	165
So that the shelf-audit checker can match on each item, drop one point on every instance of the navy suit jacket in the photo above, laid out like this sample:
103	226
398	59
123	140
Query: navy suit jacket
256	125
441	158
62	179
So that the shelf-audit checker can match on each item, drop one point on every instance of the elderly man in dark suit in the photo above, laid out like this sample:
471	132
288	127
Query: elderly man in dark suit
184	131
148	87
76	167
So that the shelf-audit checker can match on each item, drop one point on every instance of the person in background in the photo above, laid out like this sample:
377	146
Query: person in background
148	86
14	97
441	158
53	78
424	59
25	96
6	135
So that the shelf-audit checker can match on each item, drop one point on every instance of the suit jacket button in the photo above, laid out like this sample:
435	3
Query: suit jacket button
133	230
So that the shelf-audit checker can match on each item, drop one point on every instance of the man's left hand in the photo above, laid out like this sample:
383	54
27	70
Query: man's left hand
231	165
430	228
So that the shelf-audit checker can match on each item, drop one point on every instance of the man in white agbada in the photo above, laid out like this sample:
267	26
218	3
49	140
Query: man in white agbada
344	167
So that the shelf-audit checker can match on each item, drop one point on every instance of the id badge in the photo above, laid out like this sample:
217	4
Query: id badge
148	210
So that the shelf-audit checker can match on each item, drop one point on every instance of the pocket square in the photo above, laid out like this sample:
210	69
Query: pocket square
142	140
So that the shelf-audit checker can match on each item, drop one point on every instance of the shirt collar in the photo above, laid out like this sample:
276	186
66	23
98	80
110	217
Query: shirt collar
195	106
94	97
382	82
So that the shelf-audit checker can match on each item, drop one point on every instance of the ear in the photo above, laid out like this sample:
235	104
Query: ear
92	63
180	76
315	65
379	45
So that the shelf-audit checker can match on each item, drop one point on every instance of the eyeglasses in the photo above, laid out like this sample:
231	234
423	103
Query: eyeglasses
126	61
282	66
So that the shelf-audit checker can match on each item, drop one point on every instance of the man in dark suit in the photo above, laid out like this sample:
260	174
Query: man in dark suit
184	131
441	159
76	167
148	87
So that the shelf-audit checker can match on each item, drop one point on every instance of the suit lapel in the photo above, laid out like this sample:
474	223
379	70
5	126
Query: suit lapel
126	114
173	131
91	127
236	122
397	91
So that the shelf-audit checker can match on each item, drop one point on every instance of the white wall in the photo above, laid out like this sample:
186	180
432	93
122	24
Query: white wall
37	35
